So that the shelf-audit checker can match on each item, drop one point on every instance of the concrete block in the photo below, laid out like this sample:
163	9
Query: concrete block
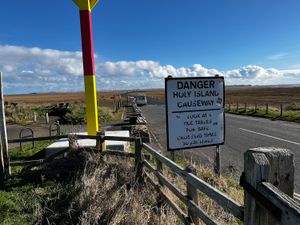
117	145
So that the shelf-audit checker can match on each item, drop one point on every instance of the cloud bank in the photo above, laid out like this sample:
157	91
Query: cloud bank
27	70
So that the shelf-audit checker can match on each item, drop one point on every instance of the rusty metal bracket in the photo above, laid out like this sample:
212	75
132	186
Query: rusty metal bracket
262	200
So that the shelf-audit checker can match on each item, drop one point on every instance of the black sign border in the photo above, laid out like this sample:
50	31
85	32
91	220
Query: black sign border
167	117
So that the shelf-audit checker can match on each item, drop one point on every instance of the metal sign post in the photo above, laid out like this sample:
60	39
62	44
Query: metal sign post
194	112
85	7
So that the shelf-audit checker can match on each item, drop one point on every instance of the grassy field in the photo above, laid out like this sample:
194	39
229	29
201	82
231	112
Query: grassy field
70	97
288	97
80	189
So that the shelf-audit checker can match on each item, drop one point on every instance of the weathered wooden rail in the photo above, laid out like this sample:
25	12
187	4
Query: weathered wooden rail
192	181
264	203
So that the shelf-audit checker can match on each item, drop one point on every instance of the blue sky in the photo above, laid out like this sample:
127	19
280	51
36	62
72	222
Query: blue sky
138	42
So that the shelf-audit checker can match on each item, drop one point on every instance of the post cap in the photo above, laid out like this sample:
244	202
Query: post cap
86	4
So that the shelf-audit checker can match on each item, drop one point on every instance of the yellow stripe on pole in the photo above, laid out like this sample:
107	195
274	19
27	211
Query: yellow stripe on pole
86	4
91	104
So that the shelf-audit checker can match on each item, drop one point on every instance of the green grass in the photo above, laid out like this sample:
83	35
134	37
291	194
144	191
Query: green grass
287	115
34	199
28	151
39	200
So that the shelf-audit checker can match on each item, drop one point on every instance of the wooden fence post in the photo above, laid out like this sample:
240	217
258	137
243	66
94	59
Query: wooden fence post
217	166
281	110
255	109
138	160
229	107
159	168
192	194
3	132
245	107
47	118
267	108
73	145
34	117
237	106
272	165
99	142
172	155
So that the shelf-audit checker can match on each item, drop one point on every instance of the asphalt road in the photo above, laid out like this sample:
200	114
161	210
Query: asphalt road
242	133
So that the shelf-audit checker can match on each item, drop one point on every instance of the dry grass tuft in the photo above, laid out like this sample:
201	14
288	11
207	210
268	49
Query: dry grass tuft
111	196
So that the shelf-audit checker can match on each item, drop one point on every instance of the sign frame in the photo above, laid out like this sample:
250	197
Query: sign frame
167	112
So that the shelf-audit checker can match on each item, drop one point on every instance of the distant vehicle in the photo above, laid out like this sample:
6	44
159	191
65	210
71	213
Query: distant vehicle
141	100
130	99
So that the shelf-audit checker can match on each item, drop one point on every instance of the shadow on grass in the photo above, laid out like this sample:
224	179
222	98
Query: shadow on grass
61	169
38	194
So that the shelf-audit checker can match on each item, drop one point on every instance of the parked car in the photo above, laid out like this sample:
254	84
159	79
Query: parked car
141	100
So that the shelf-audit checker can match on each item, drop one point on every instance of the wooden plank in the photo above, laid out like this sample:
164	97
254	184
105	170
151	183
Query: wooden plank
185	199
297	196
27	163
116	138
290	209
184	218
119	153
227	203
45	138
3	131
37	139
39	161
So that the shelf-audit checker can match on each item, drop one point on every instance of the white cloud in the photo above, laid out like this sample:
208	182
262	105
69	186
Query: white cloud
277	56
44	70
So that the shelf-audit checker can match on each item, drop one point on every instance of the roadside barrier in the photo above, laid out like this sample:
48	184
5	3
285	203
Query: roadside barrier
278	110
266	196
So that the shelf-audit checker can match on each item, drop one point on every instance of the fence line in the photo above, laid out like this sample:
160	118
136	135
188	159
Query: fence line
274	200
223	200
236	107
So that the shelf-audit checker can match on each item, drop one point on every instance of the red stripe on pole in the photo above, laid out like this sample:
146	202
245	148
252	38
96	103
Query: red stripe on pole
87	43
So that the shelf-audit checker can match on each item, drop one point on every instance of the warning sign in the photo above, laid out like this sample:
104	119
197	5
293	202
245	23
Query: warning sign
195	112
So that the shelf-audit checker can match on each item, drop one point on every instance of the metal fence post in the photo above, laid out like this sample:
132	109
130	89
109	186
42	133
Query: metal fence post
192	194
272	165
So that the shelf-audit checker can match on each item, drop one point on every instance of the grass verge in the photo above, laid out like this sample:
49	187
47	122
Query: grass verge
291	115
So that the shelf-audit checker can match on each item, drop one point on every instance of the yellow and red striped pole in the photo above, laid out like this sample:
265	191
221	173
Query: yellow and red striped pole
85	7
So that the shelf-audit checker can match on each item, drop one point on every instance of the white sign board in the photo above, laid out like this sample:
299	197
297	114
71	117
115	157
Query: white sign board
195	112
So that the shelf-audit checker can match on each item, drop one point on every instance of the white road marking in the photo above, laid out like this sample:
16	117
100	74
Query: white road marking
266	135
